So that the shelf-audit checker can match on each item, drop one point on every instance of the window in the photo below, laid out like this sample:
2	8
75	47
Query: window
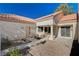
65	31
40	29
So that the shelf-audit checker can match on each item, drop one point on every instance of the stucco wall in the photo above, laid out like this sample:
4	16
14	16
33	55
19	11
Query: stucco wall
15	30
73	31
46	22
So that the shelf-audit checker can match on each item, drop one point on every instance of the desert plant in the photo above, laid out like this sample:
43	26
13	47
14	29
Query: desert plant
14	52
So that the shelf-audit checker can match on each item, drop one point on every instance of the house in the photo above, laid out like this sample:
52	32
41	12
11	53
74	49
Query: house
16	27
57	25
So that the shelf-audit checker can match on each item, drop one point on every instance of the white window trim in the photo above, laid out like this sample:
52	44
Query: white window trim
70	37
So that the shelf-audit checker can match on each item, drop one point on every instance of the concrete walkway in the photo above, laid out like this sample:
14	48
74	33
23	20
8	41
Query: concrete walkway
57	47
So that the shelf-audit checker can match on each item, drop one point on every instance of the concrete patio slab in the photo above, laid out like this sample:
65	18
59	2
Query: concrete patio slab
59	47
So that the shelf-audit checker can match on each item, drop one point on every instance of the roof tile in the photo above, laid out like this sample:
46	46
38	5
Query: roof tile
12	17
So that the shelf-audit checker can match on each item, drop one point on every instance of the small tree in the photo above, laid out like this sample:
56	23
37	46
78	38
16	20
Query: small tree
65	8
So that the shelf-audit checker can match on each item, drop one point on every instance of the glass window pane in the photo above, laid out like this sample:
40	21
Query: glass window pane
40	29
62	31
68	31
65	31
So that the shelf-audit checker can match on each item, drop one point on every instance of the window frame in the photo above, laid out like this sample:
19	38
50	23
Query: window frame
65	29
40	29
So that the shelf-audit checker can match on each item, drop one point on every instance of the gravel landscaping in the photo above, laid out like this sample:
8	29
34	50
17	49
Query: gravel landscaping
23	44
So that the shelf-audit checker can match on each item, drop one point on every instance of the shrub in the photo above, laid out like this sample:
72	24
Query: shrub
14	52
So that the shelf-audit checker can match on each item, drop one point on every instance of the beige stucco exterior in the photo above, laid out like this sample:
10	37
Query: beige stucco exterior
20	29
58	20
16	30
73	25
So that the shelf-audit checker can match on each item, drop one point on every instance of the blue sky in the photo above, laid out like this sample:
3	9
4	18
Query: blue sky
32	10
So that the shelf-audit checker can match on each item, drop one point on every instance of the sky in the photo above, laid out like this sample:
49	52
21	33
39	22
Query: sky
32	10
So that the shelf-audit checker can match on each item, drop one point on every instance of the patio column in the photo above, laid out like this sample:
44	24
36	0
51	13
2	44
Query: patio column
51	36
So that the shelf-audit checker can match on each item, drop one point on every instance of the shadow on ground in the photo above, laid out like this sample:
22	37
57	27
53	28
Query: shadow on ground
75	48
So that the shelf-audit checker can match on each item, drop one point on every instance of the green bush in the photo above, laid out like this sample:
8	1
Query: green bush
15	52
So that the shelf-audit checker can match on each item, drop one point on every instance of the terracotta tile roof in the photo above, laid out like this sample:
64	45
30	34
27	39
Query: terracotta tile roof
50	15
69	17
16	18
62	17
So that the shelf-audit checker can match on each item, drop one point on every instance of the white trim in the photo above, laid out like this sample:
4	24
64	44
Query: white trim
65	36
51	36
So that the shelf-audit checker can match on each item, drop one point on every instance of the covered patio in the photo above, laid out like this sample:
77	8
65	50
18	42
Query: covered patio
51	30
